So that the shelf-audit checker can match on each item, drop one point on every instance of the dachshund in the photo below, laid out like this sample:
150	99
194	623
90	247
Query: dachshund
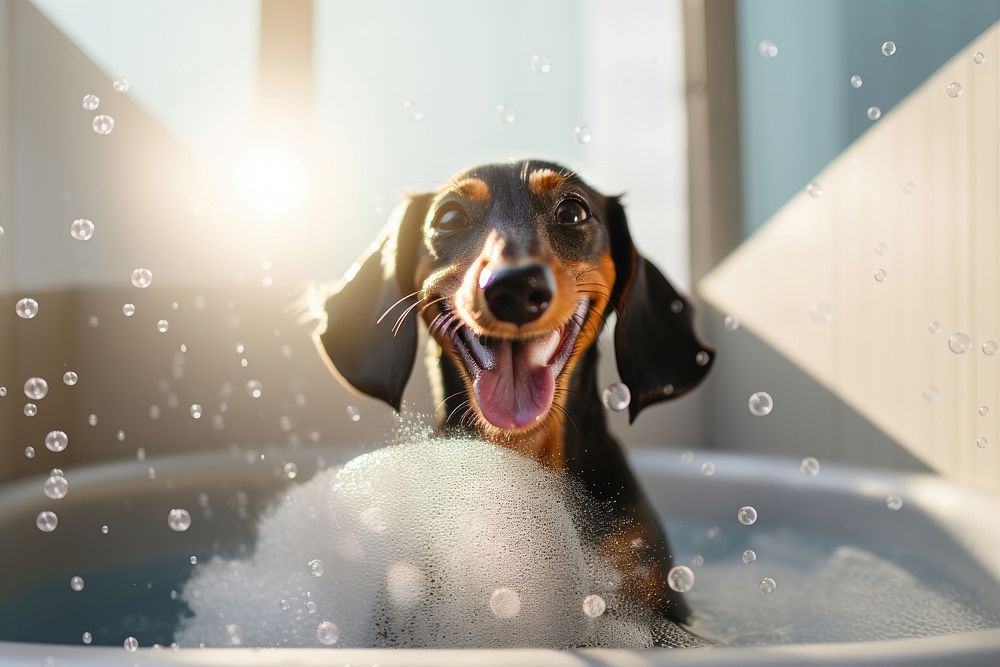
515	268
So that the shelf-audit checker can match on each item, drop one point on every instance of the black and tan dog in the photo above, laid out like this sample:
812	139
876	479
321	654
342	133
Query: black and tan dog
514	269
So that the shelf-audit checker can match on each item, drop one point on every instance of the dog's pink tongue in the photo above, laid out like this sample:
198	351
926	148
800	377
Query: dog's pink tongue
519	388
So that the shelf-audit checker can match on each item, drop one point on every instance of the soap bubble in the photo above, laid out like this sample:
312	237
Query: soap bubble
76	583
909	187
856	81
767	585
505	114
821	312
505	603
931	393
353	413
749	556
46	521
707	468
881	248
70	378
29	452
56	486
687	458
979	58
894	502
3	391
767	49
196	411
702	358
934	327
128	309
105	529
131	644
179	520
953	89
56	441
959	342
815	190
103	124
982	441
315	567
680	578
327	633
809	466
141	278
747	515
616	396
582	134
120	84
697	560
990	348
731	323
163	326
594	606
290	470
881	275
539	64
36	388
87	637
30	409
81	229
412	111
984	410
234	635
26	308
761	404
92	420
91	102
874	113
888	48
93	322
255	389
120	435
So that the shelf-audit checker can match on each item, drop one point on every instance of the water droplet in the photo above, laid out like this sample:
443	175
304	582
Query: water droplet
821	312
93	322
3	391
196	411
979	58
747	515
888	48
56	441
193	560
761	404
931	393
56	486
504	113
291	470
103	124
990	348
36	388
984	410
881	275
676	306
934	327
616	396
874	113
76	583
162	326
707	468
255	389
81	229
856	81
697	560
327	633
594	606
909	187
959	342
809	466
26	308
582	134
749	556
539	64
731	323
894	503
120	435
881	248
30	409
92	420
687	458
29	452
141	278
120	84
315	567
179	520
91	102
70	378
105	529
982	441
284	605
767	49
505	603
680	578
87	637
815	190
234	635
412	111
702	358
128	310
46	521
353	413
131	644
767	585
953	89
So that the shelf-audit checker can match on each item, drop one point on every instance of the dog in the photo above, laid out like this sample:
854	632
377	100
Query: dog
515	268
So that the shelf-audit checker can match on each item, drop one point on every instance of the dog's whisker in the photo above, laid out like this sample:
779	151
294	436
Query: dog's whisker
399	322
389	309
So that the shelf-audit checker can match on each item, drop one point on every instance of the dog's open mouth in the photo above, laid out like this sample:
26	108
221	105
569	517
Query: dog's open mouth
515	379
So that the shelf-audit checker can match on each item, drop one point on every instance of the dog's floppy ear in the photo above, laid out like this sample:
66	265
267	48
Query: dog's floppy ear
659	355
363	352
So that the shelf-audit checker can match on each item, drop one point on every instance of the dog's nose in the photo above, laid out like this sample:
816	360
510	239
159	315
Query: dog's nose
518	294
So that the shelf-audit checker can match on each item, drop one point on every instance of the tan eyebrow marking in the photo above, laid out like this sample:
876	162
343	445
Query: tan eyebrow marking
544	180
473	189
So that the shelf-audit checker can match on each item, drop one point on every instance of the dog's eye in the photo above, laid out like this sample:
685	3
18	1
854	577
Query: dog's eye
449	217
571	212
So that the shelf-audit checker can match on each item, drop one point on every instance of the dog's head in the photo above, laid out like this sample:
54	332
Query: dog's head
514	269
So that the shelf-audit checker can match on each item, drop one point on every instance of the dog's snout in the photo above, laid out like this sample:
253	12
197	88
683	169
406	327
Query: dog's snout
518	294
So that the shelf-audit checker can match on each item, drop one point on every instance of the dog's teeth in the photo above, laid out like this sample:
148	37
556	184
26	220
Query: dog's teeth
543	350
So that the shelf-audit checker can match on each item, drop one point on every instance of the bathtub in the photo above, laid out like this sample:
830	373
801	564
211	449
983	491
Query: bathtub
948	532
